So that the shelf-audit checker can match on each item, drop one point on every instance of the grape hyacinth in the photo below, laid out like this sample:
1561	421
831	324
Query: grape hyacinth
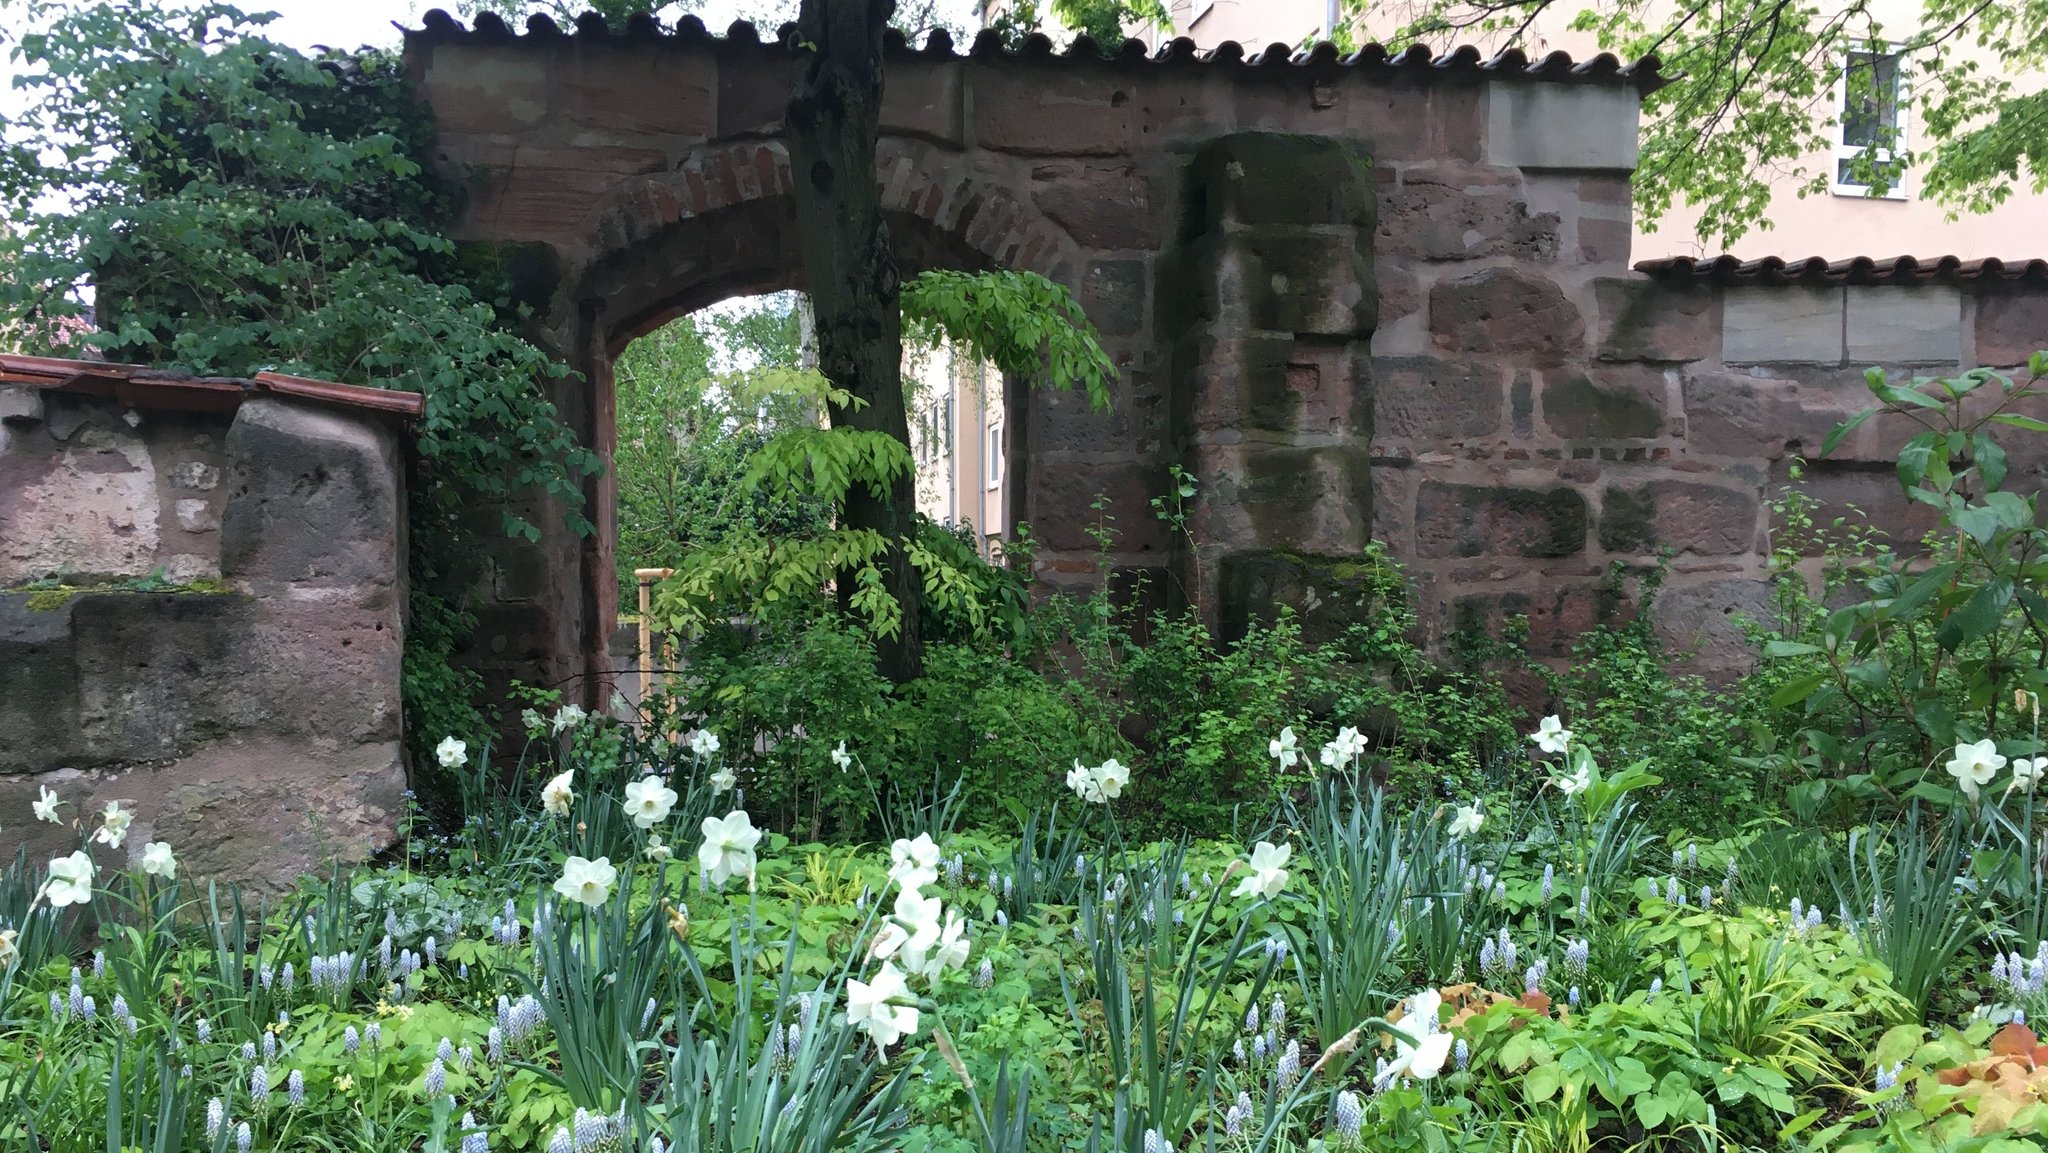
1350	1115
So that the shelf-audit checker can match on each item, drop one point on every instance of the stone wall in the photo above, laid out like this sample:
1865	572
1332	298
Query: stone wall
1376	295
223	655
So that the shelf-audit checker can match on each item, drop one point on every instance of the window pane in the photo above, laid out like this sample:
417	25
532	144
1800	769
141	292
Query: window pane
1870	100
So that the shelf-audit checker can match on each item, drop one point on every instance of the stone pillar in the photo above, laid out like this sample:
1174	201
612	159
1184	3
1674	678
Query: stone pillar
1269	304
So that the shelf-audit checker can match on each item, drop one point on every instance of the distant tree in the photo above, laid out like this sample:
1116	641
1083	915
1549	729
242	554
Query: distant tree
1754	97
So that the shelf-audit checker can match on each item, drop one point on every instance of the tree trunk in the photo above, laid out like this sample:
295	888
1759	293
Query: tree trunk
834	117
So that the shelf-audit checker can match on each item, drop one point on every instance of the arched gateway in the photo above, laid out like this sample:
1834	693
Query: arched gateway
1357	296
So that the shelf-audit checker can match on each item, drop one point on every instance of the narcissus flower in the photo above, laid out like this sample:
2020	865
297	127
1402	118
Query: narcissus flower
157	860
1267	874
70	880
115	821
587	882
45	806
914	864
2027	772
704	742
878	1007
728	848
1284	749
568	717
451	752
1467	820
1348	747
842	758
556	796
648	801
1551	736
1974	765
723	781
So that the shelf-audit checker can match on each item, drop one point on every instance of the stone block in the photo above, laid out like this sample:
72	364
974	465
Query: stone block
922	102
259	813
1283	497
1888	325
626	90
1427	399
1113	295
1271	178
1460	214
1683	516
1459	520
1102	206
316	500
1063	491
1763	418
1325	594
1701	623
483	89
1557	613
1033	110
1782	324
1505	311
20	406
1311	283
1400	292
1567	126
1605	241
1857	501
84	507
1642	319
2012	324
1606	403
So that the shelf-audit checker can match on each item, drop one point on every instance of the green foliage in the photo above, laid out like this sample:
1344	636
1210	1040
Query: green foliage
696	399
1107	22
1026	325
1933	648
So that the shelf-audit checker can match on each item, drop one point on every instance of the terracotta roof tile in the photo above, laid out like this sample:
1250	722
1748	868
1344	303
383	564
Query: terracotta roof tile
1817	270
1373	60
145	387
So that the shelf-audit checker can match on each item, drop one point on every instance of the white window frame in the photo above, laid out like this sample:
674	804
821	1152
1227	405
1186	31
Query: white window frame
1901	189
992	456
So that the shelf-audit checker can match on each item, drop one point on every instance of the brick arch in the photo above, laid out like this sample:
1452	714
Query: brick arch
722	223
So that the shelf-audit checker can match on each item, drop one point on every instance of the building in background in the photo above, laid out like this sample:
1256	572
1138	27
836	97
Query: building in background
956	437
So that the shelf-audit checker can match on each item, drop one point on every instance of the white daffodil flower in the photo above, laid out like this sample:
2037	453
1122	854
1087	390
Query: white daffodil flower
1466	820
703	742
842	758
1974	765
648	801
451	752
877	1007
722	781
557	795
1267	873
587	882
728	848
2026	773
157	860
1284	748
114	827
45	806
70	880
1551	736
568	717
914	864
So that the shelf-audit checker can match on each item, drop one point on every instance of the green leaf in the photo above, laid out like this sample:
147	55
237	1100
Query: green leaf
1978	616
1782	648
1798	689
1841	431
2016	420
1990	460
1915	458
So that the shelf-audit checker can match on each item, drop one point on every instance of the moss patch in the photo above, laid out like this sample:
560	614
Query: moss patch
51	594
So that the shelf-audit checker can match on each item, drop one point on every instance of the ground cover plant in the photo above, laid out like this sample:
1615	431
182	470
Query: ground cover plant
610	954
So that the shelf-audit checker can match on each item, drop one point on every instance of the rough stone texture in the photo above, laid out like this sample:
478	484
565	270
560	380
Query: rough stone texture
261	812
1427	398
1782	324
1702	623
1453	520
1460	214
1505	311
256	729
1643	320
2010	328
1326	594
1605	403
1683	516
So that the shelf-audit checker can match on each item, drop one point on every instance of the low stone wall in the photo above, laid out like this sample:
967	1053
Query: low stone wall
201	618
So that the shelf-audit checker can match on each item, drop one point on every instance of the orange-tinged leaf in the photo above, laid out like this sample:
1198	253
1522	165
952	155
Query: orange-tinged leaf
2015	1040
